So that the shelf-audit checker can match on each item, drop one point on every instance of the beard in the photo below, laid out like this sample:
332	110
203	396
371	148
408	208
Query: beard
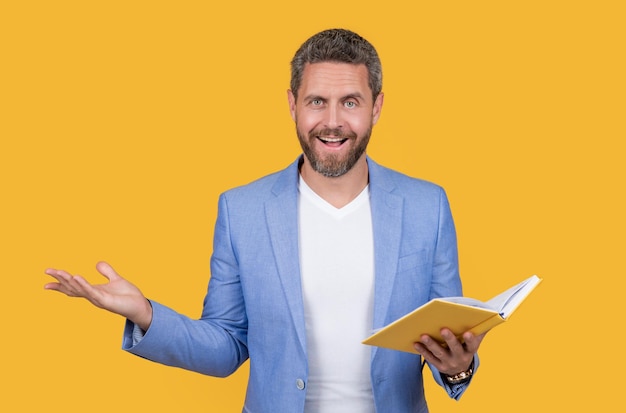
333	165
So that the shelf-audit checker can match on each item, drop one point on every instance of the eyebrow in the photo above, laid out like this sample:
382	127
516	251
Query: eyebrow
312	97
355	95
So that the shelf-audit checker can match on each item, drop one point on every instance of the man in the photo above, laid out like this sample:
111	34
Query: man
307	261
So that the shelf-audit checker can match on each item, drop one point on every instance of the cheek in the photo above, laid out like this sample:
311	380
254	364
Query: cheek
360	124
307	122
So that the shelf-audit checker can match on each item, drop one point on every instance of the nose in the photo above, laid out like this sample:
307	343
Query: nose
334	117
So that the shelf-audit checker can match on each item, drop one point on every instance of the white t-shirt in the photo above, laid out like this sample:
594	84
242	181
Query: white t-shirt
337	267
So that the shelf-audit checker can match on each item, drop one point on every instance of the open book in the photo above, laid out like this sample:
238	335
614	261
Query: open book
459	314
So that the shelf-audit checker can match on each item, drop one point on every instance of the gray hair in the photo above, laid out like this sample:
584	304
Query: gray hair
340	46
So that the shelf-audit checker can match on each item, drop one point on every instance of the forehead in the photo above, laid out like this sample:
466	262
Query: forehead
334	78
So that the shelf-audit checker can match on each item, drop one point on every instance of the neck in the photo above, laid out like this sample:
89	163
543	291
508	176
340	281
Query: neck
339	191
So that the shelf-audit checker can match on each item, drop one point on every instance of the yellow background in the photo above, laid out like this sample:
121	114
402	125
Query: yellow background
121	122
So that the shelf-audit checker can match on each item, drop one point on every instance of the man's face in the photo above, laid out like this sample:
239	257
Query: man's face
334	115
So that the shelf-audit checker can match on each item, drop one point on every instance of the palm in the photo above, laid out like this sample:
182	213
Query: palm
114	294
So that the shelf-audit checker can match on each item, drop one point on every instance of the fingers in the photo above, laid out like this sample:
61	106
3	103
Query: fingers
472	342
431	350
452	356
75	285
61	276
68	284
455	346
58	274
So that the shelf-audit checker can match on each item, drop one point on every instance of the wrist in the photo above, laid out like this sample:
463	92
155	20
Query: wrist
460	377
144	318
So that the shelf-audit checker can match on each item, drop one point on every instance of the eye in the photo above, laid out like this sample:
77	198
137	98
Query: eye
316	102
350	104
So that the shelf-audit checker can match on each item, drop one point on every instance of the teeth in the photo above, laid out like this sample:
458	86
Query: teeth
331	139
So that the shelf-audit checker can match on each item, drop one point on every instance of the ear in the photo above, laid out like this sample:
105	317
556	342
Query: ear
292	104
378	107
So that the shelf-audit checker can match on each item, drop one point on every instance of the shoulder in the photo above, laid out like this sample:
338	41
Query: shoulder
397	182
265	187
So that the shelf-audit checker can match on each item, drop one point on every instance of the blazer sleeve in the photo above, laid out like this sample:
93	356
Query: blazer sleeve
215	344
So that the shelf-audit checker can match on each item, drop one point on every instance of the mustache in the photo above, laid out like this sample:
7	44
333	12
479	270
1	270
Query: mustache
333	132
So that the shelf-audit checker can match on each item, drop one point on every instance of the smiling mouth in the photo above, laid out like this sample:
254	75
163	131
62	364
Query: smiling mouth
332	141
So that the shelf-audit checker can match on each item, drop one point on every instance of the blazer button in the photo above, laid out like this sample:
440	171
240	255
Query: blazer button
300	384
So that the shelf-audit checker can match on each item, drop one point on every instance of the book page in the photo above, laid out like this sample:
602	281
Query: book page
506	302
472	302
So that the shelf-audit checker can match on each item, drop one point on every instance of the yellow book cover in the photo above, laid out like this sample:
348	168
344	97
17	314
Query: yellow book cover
459	314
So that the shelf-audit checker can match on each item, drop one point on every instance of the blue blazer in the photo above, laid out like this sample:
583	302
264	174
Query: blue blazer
254	309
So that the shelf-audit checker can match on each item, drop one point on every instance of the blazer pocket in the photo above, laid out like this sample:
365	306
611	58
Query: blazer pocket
411	261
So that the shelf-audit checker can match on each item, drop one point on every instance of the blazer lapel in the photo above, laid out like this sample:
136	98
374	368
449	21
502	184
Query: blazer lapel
281	213
387	223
